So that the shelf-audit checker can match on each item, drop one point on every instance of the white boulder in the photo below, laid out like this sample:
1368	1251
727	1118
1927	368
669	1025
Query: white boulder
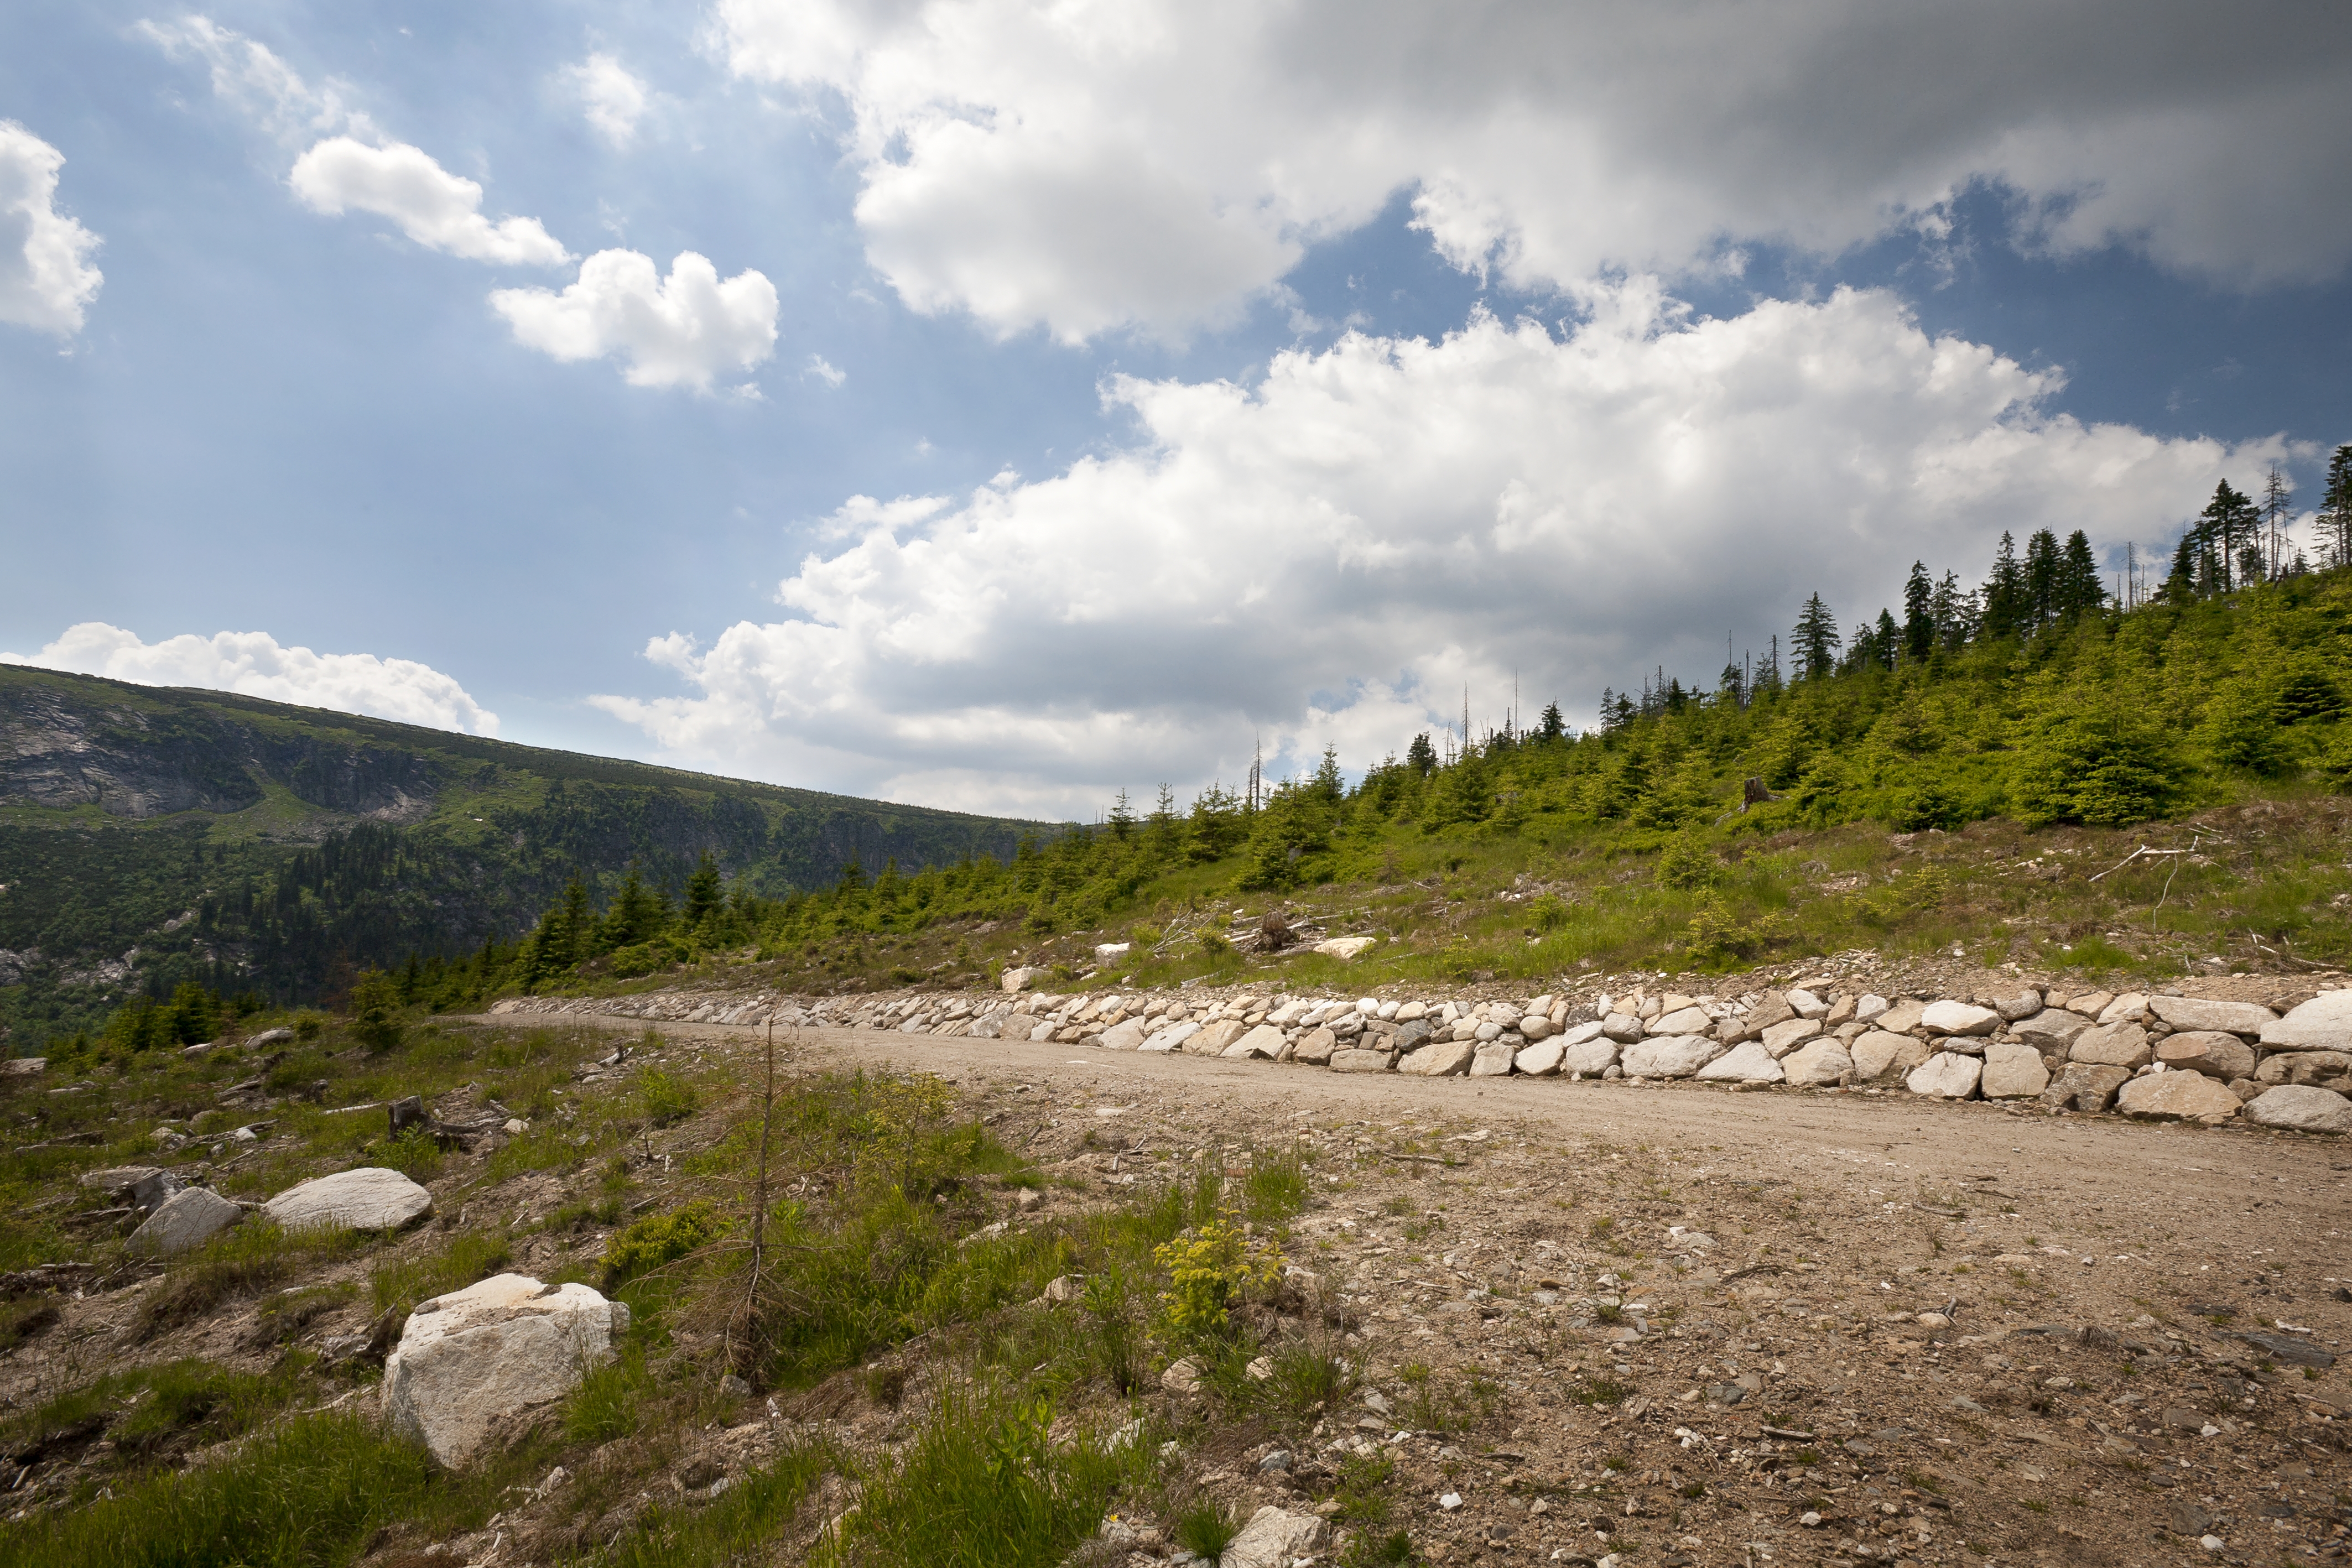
2300	1108
1959	1017
491	1351
1748	1063
369	1199
1274	1538
1947	1075
183	1222
1824	1061
1669	1056
2323	1023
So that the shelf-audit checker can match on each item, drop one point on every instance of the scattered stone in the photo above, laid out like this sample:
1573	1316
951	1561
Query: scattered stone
2178	1096
2023	1005
1622	1028
1344	947
2323	1023
504	1346
2301	1108
1746	1063
1958	1018
2013	1071
2121	1045
1182	1376
1786	1036
1315	1046
1670	1056
2129	1008
2288	1348
1017	979
1870	1007
1214	1037
1947	1075
184	1221
119	1182
369	1199
1592	1058
2208	1052
2197	1013
1682	1021
1822	1063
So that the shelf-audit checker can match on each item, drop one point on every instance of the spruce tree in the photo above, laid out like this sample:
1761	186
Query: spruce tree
2228	522
2180	583
2336	511
1918	612
1328	783
2079	588
705	895
1422	756
2004	592
1814	643
1894	642
2041	569
1552	725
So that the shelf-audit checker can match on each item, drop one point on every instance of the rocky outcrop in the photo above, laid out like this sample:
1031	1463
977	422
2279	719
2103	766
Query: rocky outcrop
184	1222
469	1362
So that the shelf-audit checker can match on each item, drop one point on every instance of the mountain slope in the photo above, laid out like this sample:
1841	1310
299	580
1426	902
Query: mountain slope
150	835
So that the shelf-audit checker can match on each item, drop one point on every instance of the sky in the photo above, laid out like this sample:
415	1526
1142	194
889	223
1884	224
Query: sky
998	405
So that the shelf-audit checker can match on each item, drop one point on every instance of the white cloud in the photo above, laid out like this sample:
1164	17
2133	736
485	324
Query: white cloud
1333	553
1082	166
682	331
254	664
613	100
438	210
46	280
825	370
252	78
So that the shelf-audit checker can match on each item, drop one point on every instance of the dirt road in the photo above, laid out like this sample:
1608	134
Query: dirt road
2002	1335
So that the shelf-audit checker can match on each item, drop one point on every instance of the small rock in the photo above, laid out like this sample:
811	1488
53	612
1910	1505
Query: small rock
1181	1377
1260	1370
184	1222
1439	1059
1880	1057
2190	1013
2014	1072
2208	1052
2085	1086
1273	1538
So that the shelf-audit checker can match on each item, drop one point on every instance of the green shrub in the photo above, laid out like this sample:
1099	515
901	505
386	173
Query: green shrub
1686	862
667	1099
375	1010
414	1154
1205	1527
660	1239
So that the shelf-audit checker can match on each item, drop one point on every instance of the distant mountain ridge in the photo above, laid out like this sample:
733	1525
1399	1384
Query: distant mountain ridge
150	835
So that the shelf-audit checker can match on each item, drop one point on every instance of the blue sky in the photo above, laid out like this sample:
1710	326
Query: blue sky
1219	375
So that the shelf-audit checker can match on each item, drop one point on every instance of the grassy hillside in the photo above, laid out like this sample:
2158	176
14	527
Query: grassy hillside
154	837
1976	791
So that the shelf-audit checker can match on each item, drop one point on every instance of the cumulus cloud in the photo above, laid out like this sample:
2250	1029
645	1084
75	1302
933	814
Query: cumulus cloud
1333	553
613	100
252	78
1085	167
438	210
255	664
680	330
46	279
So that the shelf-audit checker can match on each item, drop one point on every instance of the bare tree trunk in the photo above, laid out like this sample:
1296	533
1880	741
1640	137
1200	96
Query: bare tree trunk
759	1193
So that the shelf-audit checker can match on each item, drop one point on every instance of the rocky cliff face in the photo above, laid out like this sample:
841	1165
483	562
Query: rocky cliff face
88	744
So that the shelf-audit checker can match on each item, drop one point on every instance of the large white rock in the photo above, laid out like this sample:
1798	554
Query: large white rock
1682	1021
1748	1063
1590	1057
1345	946
1959	1017
2112	1045
1170	1038
1947	1075
1264	1042
2196	1012
1273	1538
1539	1061
2212	1052
369	1199
1439	1059
2013	1071
183	1221
2301	1108
1824	1061
2051	1029
1578	1034
1880	1057
1669	1056
1494	1059
1127	1035
2323	1023
492	1350
2178	1096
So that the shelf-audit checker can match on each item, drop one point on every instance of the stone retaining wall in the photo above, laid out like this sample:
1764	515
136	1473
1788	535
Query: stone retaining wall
2154	1055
